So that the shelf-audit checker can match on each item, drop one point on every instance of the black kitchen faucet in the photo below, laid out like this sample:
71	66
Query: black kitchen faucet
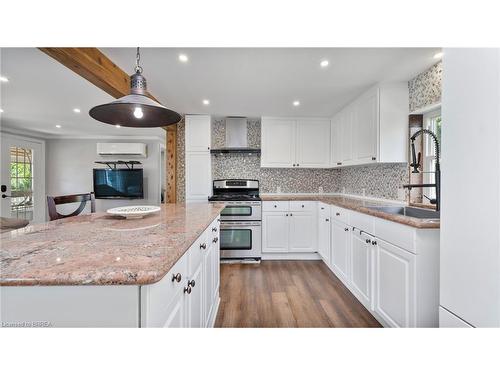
415	164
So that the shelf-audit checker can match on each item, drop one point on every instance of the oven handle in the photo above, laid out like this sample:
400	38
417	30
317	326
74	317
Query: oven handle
240	224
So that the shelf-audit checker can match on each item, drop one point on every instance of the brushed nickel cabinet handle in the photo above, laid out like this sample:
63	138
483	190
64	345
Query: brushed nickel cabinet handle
215	240
191	283
368	241
203	246
177	277
214	229
374	243
187	289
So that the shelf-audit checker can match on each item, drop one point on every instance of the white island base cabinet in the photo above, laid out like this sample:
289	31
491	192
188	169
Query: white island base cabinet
187	296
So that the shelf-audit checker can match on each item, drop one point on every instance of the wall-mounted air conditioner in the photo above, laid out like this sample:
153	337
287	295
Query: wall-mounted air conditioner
133	149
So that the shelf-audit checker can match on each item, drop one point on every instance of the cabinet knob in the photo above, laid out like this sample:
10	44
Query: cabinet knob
368	241
187	289
337	213
346	229
286	214
293	165
191	283
215	240
327	219
374	243
297	165
339	163
275	206
374	158
177	277
302	206
322	208
214	229
291	215
203	246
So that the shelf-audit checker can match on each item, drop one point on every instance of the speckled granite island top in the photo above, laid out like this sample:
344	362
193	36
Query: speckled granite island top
359	205
98	249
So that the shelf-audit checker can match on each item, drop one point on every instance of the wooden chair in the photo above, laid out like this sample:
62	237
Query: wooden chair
52	202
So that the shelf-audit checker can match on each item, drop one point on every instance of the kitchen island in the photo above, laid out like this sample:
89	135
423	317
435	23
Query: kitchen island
98	270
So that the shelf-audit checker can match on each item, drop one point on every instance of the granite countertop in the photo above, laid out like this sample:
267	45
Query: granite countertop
359	205
98	249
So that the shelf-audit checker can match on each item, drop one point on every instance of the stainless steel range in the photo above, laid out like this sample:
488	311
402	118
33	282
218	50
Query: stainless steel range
240	233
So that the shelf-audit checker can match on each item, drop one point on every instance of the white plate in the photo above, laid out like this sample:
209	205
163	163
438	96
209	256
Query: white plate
133	212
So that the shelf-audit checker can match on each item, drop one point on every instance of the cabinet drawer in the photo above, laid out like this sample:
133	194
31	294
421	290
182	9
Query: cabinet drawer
299	206
340	214
323	208
196	252
159	296
395	233
361	221
275	206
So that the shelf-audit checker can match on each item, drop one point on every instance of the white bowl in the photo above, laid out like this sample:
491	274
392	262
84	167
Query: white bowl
133	212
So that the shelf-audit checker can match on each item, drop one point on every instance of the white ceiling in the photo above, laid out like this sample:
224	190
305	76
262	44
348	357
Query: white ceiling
249	82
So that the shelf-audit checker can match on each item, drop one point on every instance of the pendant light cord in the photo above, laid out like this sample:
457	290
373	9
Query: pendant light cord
138	68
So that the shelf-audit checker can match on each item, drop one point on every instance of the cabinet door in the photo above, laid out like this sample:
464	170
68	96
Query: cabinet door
361	267
394	284
341	250
324	229
275	232
198	130
176	313
216	268
198	176
336	142
278	143
195	316
347	120
313	143
302	232
208	284
366	130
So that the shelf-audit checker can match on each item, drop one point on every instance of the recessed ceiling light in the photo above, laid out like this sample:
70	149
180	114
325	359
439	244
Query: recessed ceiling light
296	103
206	101
4	79
58	126
324	63
118	126
183	58
438	55
76	110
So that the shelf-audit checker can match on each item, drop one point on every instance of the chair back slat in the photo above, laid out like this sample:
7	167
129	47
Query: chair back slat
52	202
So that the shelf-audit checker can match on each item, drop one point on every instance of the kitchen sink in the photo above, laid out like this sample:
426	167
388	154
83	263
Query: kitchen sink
418	213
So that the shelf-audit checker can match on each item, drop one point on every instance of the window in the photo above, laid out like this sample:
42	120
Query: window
432	122
21	182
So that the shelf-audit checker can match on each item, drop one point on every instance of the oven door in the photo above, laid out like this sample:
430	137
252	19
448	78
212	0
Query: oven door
240	239
241	211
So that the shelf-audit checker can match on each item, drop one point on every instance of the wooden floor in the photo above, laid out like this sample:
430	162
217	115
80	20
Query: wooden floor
287	294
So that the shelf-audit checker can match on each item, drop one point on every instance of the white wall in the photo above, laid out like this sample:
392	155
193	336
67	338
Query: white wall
69	165
470	217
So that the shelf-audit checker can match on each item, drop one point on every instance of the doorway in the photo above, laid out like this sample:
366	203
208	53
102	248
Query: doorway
22	178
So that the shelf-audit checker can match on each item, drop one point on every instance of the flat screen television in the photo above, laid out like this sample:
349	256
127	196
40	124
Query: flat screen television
118	183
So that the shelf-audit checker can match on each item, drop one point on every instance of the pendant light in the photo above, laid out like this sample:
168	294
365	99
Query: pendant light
135	110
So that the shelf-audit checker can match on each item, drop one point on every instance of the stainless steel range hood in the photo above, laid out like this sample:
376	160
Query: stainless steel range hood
236	138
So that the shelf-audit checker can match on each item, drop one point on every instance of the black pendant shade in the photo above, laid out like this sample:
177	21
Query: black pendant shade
135	110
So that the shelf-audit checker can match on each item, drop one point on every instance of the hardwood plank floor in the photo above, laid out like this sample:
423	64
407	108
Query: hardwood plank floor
279	293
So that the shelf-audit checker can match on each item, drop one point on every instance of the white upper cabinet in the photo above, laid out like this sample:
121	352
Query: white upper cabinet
278	143
198	129
295	143
365	130
373	128
313	143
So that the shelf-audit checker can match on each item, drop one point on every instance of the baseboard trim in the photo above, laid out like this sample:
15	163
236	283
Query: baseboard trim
290	256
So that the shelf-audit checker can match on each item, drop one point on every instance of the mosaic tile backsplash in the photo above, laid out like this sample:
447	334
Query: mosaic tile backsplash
425	88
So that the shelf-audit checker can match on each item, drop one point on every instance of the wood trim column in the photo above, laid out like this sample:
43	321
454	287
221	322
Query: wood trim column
171	164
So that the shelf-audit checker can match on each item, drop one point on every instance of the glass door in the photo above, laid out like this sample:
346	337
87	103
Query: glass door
22	179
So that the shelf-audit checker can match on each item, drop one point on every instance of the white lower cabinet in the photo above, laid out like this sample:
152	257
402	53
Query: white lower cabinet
362	267
291	230
188	296
340	251
395	292
324	233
